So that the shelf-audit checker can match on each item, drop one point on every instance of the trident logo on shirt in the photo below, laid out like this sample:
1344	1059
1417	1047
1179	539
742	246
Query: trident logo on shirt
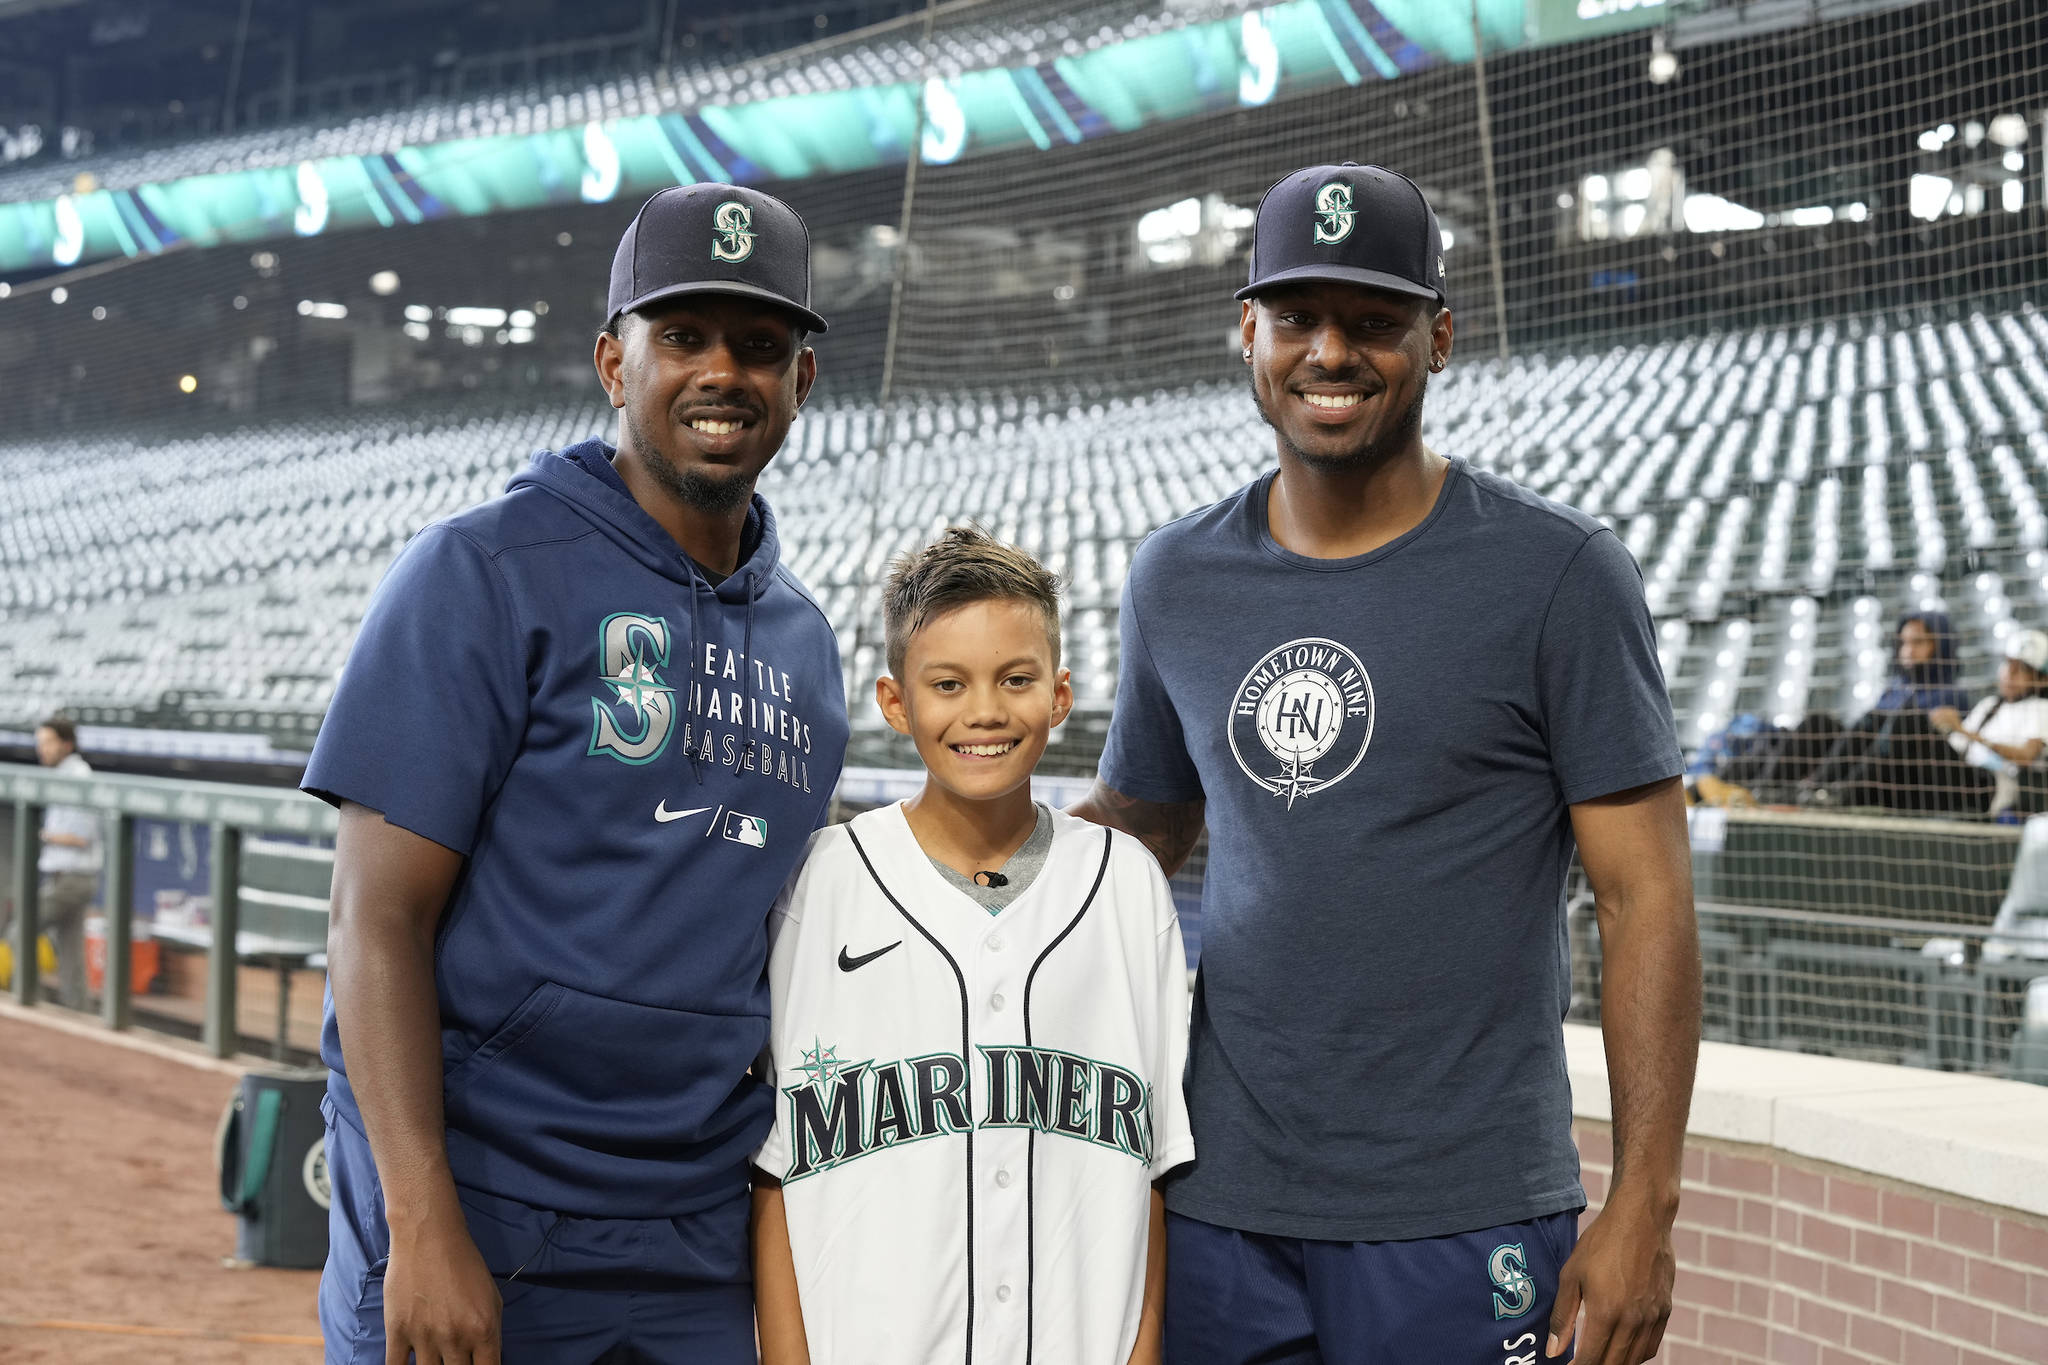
630	649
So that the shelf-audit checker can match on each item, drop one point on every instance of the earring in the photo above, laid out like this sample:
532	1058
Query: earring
1247	353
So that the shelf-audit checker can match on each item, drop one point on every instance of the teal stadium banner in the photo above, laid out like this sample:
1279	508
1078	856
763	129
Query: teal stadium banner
1568	21
1262	55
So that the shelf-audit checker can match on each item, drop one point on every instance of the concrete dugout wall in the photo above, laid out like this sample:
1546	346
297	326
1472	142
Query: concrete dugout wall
1846	1213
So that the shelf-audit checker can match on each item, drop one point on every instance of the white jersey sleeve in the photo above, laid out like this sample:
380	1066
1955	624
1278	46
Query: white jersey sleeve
785	939
1173	1141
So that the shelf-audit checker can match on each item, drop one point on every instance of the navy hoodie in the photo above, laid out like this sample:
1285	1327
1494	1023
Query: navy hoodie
631	760
1923	687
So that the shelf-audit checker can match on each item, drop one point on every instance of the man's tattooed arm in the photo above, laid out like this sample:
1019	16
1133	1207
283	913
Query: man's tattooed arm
1170	829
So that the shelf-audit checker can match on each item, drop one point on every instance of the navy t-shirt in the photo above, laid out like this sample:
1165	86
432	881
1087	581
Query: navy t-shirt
1387	745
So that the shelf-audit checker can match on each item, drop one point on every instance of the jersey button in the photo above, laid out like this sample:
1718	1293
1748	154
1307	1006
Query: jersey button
1002	1293
1002	1180
995	1002
995	943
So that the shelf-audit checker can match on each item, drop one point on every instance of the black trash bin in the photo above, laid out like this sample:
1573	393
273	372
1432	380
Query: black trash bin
273	1169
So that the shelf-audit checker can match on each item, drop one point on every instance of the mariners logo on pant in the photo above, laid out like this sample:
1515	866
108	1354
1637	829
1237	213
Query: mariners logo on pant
1509	1266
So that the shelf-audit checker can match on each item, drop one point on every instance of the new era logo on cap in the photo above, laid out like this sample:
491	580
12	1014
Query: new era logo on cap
715	239
1347	224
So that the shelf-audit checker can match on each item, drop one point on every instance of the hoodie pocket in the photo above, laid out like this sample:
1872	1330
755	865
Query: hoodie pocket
588	1088
530	1014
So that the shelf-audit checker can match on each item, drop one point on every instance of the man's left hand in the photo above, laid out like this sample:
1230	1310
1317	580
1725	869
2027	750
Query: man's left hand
1621	1275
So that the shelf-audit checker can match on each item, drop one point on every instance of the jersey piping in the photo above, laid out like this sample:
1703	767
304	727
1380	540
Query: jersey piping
966	1043
1031	1136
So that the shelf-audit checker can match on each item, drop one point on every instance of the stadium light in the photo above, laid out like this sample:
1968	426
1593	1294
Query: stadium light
2009	130
476	317
308	308
418	312
1663	64
1927	196
384	282
59	294
1712	213
188	383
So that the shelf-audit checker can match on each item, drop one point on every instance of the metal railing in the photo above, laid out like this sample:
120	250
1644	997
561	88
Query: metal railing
1908	992
230	810
1915	991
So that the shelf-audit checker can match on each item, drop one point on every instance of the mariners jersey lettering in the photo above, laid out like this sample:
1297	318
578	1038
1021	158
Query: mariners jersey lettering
951	1085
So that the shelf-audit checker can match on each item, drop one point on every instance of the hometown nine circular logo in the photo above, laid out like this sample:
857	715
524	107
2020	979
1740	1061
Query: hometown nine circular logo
1302	718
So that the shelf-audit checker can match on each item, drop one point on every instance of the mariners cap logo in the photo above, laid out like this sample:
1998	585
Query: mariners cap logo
1302	718
734	238
1334	216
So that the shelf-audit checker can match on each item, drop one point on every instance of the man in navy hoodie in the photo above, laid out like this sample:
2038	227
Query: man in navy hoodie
578	747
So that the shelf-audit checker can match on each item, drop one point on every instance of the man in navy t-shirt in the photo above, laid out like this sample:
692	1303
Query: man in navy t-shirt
578	747
1398	690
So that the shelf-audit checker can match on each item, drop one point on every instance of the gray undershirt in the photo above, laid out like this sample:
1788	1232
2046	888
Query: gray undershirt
1022	868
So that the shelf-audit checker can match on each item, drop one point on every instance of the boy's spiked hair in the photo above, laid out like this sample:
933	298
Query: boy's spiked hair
966	564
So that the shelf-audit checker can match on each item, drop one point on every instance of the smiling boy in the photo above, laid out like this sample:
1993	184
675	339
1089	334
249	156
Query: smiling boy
969	967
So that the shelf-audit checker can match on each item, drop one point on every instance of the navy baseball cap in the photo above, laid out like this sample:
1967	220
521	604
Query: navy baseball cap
1347	224
714	239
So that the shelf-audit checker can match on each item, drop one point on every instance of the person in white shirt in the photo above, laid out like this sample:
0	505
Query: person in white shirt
69	863
2006	732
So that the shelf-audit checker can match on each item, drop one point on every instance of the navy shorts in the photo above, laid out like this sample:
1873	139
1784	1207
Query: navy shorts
1473	1298
589	1291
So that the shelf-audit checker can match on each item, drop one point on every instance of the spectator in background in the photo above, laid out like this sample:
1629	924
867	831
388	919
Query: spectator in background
1892	757
2006	732
69	863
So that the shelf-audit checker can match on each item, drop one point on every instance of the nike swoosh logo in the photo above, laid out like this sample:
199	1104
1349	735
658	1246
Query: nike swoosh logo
663	814
847	964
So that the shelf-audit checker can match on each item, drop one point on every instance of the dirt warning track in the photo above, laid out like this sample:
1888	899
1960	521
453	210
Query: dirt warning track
111	1230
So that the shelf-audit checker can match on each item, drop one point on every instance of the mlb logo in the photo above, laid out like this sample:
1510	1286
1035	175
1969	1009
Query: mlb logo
750	830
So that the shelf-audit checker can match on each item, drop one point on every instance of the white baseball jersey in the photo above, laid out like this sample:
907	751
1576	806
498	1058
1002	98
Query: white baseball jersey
971	1109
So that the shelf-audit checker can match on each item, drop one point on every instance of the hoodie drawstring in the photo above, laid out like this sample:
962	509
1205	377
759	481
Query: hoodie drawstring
747	653
695	675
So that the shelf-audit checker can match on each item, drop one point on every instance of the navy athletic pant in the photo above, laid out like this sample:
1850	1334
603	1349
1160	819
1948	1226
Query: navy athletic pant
588	1291
1474	1298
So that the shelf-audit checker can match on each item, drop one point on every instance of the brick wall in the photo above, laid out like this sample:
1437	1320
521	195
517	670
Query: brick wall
1785	1261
